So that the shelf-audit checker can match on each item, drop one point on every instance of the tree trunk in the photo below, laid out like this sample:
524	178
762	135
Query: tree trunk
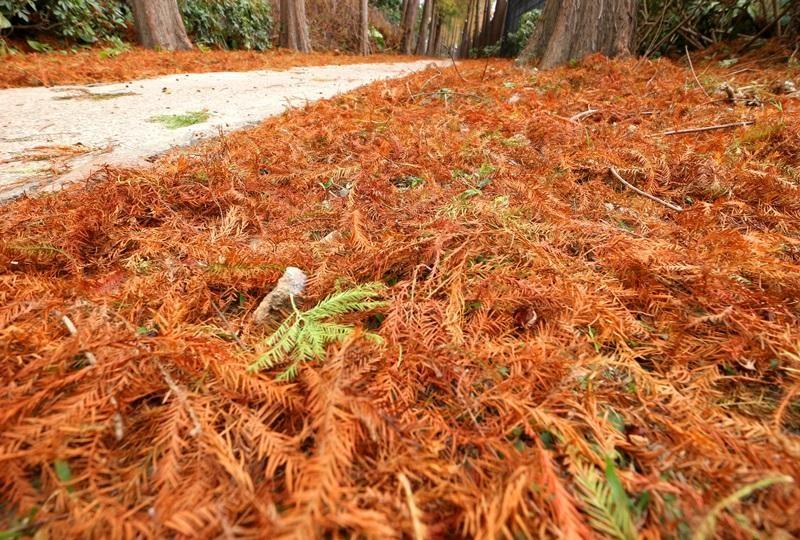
498	22
159	25
294	26
469	29
483	37
572	29
436	35
424	28
409	19
364	27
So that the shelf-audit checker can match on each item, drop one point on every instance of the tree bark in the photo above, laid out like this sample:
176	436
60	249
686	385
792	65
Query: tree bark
483	37
424	28
294	26
159	25
409	19
572	29
498	22
364	28
469	29
436	34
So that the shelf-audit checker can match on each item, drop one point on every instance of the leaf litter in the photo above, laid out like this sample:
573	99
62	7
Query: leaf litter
560	356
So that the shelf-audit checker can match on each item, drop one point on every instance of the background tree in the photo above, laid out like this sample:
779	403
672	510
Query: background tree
294	26
364	28
495	31
424	27
572	29
159	25
408	22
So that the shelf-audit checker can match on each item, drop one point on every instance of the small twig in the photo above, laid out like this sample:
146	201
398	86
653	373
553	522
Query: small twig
183	400
584	114
485	67
73	331
708	128
228	325
455	66
116	420
644	193
416	515
694	74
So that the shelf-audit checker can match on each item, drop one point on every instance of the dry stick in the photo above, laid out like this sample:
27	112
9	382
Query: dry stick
416	515
456	67
644	193
228	325
73	331
581	115
708	128
694	74
182	399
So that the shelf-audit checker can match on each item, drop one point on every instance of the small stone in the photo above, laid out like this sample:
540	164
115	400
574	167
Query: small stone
331	237
292	283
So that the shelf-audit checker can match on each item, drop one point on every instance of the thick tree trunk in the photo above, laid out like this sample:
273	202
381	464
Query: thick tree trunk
364	28
409	19
572	29
498	21
159	25
424	28
294	26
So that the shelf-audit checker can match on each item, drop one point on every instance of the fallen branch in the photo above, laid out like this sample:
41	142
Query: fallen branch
644	193
708	128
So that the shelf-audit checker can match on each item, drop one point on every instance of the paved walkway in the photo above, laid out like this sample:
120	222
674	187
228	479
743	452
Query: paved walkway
51	136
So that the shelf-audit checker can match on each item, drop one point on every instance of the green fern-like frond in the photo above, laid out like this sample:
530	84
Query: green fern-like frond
605	501
305	335
361	298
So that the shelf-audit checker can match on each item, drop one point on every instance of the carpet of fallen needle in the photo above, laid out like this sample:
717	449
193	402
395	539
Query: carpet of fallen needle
542	318
94	66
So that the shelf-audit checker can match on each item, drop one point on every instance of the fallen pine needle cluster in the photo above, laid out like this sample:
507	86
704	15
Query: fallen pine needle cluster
559	355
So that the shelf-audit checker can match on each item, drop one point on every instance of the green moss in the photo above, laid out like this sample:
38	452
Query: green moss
175	121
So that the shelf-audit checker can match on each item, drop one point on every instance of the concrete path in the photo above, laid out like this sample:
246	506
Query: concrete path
51	136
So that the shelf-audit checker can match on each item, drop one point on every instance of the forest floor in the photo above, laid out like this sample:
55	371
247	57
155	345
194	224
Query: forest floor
561	355
103	64
51	136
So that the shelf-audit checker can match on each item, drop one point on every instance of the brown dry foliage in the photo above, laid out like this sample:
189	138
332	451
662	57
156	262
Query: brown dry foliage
523	319
85	67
